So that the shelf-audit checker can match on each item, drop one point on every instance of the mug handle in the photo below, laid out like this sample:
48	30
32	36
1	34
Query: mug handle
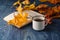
46	23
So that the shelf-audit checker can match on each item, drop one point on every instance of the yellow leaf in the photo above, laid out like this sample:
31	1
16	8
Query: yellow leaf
26	2
32	6
19	8
16	3
25	14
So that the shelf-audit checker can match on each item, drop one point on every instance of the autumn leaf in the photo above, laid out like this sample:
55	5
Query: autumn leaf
18	2
53	1
42	0
26	2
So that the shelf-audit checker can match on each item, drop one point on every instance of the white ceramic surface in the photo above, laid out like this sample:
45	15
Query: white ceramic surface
39	25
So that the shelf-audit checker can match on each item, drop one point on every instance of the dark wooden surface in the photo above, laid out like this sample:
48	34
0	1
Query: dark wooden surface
9	32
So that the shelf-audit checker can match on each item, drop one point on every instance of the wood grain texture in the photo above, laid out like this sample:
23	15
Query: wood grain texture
8	32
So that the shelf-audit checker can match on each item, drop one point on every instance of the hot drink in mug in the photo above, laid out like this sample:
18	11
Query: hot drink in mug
39	22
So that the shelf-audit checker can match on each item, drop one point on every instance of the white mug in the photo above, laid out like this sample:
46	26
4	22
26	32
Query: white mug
39	23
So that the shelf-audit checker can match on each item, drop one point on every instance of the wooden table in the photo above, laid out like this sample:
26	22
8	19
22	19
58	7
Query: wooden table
9	32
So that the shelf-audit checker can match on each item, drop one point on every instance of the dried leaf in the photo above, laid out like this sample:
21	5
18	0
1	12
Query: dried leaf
42	8
32	6
26	2
42	0
16	3
19	8
53	1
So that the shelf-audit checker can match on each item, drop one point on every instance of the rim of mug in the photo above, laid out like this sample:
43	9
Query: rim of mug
38	16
